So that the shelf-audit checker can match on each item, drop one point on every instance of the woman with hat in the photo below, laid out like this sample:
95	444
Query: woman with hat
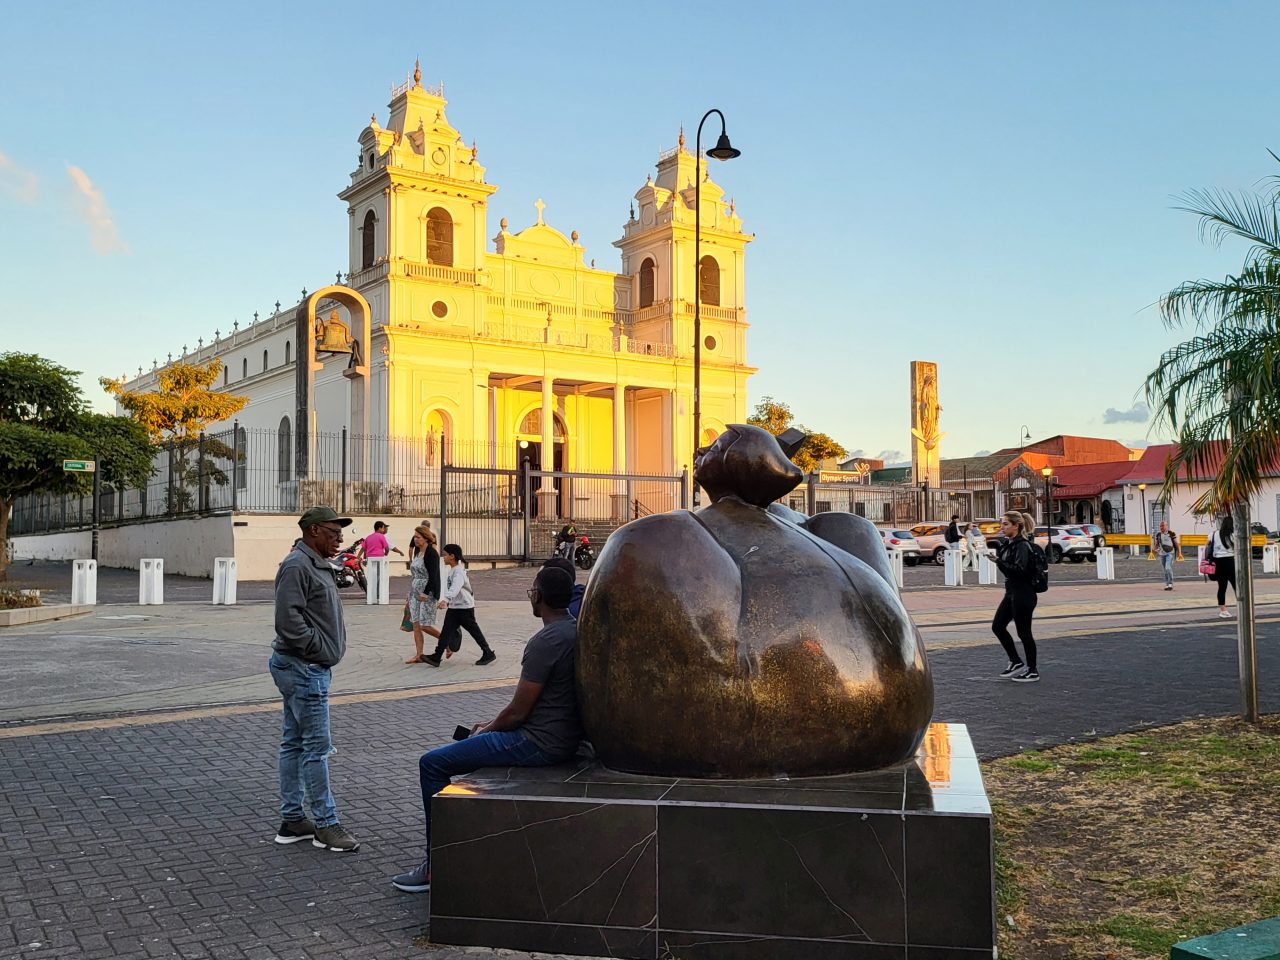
424	589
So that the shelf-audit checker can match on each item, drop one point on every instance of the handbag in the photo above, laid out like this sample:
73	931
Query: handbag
1208	566
405	623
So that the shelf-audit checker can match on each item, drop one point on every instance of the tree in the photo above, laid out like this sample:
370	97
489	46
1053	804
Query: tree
43	421
775	416
175	415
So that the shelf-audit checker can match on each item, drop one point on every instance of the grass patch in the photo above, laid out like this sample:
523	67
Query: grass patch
1121	848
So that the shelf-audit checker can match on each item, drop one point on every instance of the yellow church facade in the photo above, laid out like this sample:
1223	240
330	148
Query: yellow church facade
528	350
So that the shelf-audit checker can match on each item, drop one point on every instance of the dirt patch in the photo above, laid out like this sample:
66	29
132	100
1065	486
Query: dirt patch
1120	848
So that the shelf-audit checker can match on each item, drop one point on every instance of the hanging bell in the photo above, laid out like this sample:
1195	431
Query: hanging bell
333	336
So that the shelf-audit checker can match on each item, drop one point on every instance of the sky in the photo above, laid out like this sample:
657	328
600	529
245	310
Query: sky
991	186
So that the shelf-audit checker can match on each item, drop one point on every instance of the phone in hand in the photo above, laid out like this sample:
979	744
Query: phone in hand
461	733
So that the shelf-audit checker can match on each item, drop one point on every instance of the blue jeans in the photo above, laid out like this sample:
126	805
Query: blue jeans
304	743
507	749
1166	561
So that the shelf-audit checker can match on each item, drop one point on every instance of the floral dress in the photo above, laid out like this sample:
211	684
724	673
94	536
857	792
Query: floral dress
425	573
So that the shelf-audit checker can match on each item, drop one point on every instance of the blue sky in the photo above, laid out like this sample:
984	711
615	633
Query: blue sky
986	185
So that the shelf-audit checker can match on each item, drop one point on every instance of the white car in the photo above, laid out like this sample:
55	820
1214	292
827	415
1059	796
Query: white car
901	540
931	536
1068	541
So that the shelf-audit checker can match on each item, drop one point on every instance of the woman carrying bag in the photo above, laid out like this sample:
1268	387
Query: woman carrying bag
1220	551
424	590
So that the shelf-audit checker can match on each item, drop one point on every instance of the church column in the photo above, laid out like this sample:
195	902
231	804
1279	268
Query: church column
548	495
620	498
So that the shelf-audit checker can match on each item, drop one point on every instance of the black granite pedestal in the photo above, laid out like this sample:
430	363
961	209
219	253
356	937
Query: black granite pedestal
581	860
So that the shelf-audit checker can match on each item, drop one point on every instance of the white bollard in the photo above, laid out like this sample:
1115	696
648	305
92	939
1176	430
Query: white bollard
895	564
224	580
377	580
1106	563
986	570
151	581
84	582
1271	558
952	568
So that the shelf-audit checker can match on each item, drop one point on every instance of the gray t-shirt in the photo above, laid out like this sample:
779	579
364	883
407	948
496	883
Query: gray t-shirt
553	724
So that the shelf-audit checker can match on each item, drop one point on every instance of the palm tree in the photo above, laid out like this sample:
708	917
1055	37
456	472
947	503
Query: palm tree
1220	391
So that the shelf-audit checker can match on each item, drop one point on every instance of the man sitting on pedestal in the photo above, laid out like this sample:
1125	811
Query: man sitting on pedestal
540	726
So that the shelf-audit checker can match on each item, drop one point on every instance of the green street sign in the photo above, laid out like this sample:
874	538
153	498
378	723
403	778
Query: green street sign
78	466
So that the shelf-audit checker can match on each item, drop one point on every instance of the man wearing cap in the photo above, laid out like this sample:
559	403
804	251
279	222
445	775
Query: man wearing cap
311	638
376	544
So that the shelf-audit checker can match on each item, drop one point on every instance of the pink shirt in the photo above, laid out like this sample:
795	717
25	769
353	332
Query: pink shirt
376	545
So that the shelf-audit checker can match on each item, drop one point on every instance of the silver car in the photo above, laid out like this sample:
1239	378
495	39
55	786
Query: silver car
904	541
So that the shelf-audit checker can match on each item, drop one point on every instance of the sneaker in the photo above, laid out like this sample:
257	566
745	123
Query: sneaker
1168	586
1013	668
430	658
417	880
1026	676
291	831
333	751
1224	615
335	838
487	657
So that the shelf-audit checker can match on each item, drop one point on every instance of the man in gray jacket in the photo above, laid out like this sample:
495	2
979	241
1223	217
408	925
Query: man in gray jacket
311	637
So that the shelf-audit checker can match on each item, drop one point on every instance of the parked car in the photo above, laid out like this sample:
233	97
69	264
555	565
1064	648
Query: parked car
1257	529
1099	535
931	537
990	529
1068	541
901	540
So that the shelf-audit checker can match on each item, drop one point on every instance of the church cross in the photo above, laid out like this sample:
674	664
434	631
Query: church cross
541	206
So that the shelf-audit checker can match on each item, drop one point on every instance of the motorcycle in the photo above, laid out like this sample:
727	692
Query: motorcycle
576	549
348	569
584	556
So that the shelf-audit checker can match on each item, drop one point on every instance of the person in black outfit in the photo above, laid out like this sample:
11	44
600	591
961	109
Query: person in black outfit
1221	547
1017	562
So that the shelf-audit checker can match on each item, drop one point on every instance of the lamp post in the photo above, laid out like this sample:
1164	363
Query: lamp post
1023	437
723	150
1142	494
1047	473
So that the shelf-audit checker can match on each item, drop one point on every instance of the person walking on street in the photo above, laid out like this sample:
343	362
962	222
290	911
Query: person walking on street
1222	548
975	546
424	589
1166	545
1017	562
459	605
311	638
376	544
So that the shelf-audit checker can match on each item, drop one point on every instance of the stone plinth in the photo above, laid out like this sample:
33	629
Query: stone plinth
578	859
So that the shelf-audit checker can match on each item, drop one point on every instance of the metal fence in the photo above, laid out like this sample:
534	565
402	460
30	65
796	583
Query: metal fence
897	504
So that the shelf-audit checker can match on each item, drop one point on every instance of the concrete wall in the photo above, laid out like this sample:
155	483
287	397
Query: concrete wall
186	546
70	545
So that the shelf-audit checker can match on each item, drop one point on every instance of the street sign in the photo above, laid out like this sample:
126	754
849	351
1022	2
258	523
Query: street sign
79	466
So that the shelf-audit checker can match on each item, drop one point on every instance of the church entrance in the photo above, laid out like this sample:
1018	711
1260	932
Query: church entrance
529	444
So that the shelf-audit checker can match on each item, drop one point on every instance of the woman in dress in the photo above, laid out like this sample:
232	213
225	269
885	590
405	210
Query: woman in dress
424	589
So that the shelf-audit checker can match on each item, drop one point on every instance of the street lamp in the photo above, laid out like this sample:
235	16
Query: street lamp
1142	494
723	150
1023	437
1047	473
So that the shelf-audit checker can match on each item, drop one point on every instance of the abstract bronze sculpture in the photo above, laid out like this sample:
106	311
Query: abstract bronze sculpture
744	641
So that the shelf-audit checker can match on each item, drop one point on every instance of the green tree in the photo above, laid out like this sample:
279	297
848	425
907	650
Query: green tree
175	415
43	421
776	416
1220	390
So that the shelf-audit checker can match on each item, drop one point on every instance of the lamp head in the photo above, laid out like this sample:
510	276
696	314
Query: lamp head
1142	486
1046	472
724	150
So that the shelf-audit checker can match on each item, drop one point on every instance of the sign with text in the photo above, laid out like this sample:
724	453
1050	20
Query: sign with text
78	466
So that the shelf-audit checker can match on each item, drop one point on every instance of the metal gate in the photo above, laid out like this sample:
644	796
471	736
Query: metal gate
601	501
481	510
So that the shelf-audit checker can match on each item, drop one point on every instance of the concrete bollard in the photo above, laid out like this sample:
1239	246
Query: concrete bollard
895	563
151	581
377	573
1271	558
84	582
1106	563
953	568
987	570
224	580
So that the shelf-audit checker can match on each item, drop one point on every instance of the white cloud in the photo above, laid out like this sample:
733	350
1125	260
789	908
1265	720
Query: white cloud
1138	413
982	453
893	458
1138	444
92	208
857	453
18	183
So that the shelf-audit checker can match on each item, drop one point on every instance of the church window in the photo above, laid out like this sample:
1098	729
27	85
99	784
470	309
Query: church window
264	360
531	425
288	352
440	309
646	282
709	342
367	233
244	368
224	375
284	450
242	458
709	281
439	237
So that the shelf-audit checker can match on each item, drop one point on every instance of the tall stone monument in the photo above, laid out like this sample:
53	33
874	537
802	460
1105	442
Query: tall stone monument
925	434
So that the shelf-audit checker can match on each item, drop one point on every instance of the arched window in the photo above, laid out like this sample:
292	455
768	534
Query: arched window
288	352
439	237
439	431
264	360
531	425
225	374
646	282
284	450
242	458
244	368
367	233
709	281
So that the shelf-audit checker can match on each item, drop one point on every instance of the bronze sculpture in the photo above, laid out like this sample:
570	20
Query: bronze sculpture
741	642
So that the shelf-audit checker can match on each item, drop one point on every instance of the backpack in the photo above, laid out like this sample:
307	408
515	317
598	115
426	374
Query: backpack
1039	568
952	535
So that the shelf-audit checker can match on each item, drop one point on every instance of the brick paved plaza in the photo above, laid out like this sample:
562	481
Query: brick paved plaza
130	829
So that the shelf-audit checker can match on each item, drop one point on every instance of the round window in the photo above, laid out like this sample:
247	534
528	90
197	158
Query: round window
709	342
440	309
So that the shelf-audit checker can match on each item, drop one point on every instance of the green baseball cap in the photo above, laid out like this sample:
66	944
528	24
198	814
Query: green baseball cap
323	515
